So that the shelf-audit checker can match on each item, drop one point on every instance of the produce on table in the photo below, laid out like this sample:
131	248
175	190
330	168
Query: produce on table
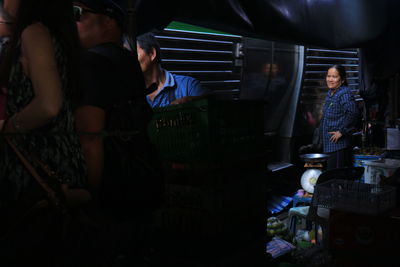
375	151
276	227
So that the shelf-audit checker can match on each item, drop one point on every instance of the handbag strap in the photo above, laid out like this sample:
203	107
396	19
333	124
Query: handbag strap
50	192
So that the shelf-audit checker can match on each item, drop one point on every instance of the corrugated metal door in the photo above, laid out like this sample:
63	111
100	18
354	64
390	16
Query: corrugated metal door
214	59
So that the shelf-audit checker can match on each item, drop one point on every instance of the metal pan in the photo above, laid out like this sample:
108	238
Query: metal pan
314	157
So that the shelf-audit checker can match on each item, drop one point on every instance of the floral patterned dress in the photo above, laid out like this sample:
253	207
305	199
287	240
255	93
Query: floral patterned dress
54	144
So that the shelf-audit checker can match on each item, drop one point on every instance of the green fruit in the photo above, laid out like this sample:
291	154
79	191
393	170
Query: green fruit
275	225
284	231
272	232
269	233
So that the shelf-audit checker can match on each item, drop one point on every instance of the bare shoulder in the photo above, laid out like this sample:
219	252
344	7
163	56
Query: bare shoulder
36	41
36	31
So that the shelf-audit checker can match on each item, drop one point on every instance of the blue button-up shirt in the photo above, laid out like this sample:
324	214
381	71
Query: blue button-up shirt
340	113
176	86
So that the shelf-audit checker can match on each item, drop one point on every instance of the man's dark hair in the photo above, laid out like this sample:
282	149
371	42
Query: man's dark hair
147	42
342	72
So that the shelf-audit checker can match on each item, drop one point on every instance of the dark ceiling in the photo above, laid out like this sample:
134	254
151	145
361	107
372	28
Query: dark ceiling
371	25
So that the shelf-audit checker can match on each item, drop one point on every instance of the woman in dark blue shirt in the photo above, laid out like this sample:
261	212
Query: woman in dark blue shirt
339	118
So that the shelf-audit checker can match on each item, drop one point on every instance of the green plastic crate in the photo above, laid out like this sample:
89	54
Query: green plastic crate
208	129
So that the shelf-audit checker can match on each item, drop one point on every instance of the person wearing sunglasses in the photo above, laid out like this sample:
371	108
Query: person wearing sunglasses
123	166
38	71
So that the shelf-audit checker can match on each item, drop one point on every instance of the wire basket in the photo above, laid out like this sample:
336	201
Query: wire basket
355	197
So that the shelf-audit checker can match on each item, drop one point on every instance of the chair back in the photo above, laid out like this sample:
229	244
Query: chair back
345	173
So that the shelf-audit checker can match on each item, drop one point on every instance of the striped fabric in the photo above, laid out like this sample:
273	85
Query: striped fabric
340	114
278	203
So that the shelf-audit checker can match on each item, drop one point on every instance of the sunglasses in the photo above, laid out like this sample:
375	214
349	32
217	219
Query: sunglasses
79	11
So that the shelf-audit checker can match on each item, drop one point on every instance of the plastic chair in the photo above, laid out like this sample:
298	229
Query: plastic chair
319	215
301	200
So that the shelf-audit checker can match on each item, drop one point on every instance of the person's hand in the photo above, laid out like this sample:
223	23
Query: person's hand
335	136
75	196
186	99
182	100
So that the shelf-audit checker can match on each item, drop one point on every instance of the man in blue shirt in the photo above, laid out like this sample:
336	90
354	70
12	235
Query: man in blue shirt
167	88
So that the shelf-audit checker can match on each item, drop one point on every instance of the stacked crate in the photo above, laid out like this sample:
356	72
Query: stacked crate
215	202
214	212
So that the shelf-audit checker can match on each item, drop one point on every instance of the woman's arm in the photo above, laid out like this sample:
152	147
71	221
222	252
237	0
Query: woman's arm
90	119
39	63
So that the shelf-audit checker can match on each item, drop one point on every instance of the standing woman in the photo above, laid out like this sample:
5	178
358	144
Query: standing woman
339	119
39	76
